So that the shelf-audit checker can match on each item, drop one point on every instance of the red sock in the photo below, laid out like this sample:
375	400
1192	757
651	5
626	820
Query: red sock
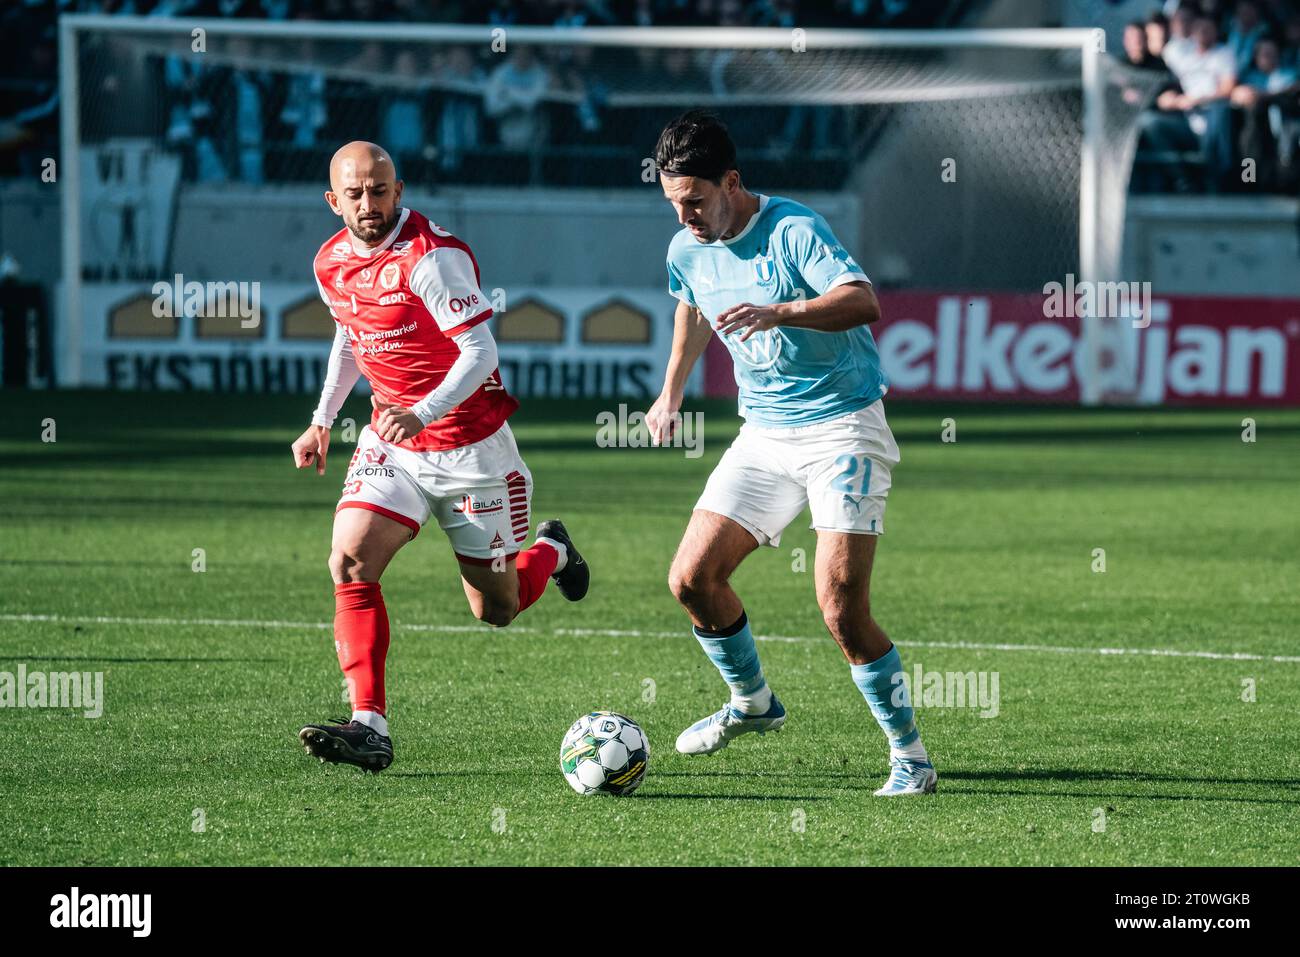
534	568
361	637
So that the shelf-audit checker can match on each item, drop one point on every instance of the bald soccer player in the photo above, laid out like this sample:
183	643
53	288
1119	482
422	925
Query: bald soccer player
412	319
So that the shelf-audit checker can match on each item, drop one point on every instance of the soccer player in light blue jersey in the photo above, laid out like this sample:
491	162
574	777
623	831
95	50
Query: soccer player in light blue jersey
768	276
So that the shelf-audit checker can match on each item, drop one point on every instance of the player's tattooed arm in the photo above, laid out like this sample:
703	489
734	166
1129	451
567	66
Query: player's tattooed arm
847	305
691	335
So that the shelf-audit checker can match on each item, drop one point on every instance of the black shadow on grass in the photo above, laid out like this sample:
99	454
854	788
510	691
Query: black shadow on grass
753	774
725	797
1057	774
860	782
1076	774
1123	796
835	781
464	774
434	775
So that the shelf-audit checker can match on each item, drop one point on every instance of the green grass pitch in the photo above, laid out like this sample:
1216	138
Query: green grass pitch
988	566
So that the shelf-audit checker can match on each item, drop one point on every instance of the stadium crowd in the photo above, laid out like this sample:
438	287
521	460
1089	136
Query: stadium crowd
1226	114
447	113
560	13
1227	89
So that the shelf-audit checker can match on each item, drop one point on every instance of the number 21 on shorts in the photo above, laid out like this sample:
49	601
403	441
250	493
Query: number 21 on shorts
855	475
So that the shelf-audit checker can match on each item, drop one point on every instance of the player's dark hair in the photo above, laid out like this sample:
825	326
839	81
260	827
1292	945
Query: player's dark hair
696	144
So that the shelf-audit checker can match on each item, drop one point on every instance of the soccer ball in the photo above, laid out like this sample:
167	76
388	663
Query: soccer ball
604	753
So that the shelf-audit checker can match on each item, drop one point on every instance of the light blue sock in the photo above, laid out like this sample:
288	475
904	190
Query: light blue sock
733	653
881	683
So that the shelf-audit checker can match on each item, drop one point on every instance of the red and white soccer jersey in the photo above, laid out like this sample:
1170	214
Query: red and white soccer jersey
400	304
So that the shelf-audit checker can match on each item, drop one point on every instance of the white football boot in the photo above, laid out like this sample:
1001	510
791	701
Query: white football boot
909	777
716	731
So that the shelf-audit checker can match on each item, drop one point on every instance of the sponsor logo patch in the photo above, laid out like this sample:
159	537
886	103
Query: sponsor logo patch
469	505
459	304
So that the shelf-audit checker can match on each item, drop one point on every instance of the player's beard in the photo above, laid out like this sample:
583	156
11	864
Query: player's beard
712	234
370	232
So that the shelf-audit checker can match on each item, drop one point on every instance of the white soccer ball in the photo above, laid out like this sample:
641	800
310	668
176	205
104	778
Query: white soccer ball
604	753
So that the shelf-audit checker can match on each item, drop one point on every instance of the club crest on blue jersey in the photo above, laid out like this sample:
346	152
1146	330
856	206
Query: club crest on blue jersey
765	267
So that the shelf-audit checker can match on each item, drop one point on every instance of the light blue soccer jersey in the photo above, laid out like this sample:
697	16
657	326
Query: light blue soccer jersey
787	376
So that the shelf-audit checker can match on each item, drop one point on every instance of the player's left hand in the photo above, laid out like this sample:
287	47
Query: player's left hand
396	423
747	317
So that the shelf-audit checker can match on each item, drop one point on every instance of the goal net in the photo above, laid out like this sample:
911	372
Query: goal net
960	160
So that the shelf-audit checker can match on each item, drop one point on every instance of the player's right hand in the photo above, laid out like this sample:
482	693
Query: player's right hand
663	419
312	446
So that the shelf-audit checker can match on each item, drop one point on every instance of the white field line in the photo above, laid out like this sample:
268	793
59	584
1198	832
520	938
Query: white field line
636	633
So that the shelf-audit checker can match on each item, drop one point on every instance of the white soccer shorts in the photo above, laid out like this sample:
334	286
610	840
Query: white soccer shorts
840	468
479	493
